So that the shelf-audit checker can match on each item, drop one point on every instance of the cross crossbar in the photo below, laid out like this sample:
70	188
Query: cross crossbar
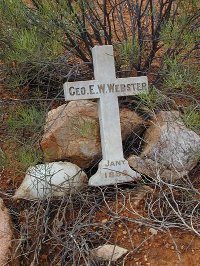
92	89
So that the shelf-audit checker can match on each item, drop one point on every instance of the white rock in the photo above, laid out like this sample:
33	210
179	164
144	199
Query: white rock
5	234
108	252
170	143
51	179
171	150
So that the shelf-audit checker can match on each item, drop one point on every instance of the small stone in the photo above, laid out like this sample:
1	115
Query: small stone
153	231
139	230
172	247
104	220
145	258
124	232
108	252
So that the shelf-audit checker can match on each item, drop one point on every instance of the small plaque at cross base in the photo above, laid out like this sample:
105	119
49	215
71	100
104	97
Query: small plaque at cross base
107	88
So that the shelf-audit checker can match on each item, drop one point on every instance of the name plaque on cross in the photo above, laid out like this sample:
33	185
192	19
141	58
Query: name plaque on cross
113	168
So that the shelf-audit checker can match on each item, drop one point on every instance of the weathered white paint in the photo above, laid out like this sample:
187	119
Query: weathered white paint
82	90
107	88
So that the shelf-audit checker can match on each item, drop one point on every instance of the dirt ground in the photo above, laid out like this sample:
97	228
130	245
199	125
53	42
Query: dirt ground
150	246
146	246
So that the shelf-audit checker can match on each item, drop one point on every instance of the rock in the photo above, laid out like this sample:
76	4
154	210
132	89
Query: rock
171	150
154	169
51	179
153	231
140	194
5	234
108	252
72	132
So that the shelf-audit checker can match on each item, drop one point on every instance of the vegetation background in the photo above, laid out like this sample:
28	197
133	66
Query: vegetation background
45	43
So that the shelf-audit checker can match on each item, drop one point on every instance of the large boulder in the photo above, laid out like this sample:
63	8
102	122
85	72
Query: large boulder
72	132
51	180
170	151
5	234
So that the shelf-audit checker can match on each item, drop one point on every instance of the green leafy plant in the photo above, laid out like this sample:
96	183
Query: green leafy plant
152	99
24	125
174	75
179	75
41	40
3	159
191	117
28	118
179	37
83	127
28	155
128	53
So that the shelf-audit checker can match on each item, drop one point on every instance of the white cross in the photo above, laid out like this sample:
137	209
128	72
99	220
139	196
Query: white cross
107	88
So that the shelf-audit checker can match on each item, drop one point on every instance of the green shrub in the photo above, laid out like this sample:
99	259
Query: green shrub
3	159
128	53
180	47
28	155
41	41
25	118
25	125
179	75
152	99
191	118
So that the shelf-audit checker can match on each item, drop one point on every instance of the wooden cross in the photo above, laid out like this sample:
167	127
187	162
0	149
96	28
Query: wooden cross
107	88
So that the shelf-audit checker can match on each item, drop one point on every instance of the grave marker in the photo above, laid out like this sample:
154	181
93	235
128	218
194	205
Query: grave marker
107	88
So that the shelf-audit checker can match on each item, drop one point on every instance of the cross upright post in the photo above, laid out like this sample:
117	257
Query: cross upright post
104	71
107	88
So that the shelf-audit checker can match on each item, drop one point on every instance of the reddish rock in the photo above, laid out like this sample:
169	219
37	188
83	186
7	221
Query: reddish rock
72	132
5	234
